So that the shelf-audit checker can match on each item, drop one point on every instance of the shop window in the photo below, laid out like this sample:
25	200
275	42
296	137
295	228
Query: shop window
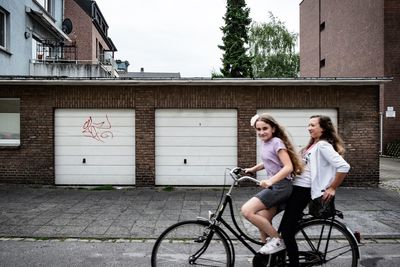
9	122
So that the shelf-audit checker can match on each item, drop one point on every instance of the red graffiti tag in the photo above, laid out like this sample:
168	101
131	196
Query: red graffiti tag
96	130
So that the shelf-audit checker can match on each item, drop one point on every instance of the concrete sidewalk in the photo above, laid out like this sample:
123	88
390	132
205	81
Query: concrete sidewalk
54	212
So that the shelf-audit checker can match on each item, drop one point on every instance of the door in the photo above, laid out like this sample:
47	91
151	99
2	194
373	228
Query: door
195	146
95	146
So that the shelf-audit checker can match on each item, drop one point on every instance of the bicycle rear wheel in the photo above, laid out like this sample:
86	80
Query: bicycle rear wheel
321	245
189	243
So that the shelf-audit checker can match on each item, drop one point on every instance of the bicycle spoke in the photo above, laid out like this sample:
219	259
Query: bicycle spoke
190	243
326	243
340	254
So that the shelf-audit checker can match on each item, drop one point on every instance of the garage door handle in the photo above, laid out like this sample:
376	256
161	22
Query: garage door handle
83	160
184	161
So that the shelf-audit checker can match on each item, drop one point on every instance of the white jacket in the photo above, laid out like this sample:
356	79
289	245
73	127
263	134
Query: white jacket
325	162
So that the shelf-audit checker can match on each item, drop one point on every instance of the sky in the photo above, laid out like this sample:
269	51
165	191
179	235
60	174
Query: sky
180	35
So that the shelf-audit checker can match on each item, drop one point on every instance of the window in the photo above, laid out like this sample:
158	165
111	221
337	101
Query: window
9	122
322	63
99	51
3	29
322	26
46	4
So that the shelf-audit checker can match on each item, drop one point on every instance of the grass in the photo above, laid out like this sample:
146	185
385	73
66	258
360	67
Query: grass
168	188
103	187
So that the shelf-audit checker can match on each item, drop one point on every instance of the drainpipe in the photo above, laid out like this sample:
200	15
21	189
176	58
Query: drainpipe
381	133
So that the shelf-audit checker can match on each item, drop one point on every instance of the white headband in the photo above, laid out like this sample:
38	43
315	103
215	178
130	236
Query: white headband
253	120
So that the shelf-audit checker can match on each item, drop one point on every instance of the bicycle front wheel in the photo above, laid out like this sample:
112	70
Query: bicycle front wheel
326	243
191	243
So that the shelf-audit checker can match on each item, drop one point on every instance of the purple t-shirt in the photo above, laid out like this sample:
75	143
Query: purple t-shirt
269	155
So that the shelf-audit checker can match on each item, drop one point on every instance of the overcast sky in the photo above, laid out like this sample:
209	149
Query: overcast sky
180	35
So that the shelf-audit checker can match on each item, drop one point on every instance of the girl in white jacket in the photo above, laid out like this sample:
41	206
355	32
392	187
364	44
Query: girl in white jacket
324	171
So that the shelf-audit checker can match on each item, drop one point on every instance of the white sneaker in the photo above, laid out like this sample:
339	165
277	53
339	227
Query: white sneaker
274	245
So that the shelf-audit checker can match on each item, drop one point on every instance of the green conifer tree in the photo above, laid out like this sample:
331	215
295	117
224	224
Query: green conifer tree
236	63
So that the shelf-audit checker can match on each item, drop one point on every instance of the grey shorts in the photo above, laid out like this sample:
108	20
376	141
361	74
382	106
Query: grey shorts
276	195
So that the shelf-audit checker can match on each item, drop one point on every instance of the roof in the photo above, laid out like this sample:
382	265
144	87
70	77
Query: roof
88	6
32	80
44	20
147	75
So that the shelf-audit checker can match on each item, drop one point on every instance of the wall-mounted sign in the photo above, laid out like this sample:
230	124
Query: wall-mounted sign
390	112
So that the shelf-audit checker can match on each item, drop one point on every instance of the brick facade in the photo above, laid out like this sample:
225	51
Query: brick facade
392	68
356	38
33	161
84	33
82	30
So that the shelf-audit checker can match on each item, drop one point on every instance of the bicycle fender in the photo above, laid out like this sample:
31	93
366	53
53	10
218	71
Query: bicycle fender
230	245
354	239
344	226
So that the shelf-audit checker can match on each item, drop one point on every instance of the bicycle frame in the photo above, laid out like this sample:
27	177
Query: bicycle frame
216	219
237	232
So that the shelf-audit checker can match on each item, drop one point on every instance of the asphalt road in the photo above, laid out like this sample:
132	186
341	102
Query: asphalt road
86	252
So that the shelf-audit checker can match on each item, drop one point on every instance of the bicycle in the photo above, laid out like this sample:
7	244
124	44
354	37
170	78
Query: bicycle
204	242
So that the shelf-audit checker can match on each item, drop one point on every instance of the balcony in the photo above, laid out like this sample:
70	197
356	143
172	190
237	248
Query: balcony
53	51
59	59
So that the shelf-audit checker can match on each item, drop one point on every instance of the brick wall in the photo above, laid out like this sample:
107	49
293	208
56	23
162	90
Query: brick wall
361	39
309	38
392	69
82	30
351	41
33	162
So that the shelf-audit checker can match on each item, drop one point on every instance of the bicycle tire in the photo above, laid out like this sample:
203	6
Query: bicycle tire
316	248
177	245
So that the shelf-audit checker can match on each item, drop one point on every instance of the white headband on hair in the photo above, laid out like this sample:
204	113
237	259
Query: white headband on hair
253	120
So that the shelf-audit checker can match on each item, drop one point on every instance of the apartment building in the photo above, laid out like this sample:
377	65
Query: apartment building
355	38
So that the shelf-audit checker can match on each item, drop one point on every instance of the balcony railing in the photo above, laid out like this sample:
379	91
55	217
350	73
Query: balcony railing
56	52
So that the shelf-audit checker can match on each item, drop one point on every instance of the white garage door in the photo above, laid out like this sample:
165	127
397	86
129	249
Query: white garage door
193	147
95	146
295	122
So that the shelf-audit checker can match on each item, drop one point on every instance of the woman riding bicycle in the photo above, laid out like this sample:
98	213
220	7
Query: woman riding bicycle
324	171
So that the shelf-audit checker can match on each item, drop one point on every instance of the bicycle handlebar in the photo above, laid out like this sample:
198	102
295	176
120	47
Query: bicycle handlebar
239	175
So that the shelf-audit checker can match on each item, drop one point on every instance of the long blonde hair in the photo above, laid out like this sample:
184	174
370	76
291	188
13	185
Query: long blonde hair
280	132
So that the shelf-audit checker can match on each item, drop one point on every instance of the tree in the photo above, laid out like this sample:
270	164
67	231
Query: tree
235	61
272	48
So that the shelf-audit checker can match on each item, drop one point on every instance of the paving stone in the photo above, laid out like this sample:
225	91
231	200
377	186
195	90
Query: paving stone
146	212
